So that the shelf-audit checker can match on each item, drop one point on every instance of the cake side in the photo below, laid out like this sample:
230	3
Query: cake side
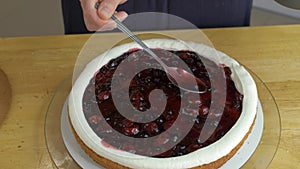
112	164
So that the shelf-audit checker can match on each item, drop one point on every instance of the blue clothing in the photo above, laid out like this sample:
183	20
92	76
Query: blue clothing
202	13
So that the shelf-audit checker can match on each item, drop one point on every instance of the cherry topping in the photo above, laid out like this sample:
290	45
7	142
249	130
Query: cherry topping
97	99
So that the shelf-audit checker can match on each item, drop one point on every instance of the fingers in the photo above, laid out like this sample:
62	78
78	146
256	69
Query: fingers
121	15
108	7
92	18
123	1
111	24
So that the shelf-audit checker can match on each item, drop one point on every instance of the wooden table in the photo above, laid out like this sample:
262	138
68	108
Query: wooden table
36	66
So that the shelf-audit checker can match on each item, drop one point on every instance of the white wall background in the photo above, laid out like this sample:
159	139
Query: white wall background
30	17
272	6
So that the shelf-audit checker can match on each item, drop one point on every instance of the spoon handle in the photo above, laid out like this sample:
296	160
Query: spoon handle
125	30
132	36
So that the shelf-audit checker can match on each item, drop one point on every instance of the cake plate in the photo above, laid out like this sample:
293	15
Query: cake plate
65	156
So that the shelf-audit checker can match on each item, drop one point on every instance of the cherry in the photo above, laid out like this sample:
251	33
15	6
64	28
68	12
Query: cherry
127	123
104	95
203	110
193	147
151	128
132	131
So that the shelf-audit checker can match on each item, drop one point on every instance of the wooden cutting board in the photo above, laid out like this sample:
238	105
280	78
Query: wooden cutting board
5	95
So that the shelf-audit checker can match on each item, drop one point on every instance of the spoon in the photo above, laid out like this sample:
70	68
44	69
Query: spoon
178	76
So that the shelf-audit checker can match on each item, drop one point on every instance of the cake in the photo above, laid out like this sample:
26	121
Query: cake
210	126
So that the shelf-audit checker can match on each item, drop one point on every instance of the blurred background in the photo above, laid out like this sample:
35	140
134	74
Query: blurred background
44	17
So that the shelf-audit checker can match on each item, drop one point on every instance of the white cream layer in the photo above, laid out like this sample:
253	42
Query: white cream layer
243	81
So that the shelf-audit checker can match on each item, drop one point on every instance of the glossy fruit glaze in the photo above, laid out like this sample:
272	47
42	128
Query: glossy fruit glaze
99	108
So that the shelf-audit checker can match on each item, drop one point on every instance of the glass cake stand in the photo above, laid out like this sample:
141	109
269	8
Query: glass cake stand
63	159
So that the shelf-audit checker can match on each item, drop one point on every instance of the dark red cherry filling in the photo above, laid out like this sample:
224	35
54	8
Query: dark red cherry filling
99	108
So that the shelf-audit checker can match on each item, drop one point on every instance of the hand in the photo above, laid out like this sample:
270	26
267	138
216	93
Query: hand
99	19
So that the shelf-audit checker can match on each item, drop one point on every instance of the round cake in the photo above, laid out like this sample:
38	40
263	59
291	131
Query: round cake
125	111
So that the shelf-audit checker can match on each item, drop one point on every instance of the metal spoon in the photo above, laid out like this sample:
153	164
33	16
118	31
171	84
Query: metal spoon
178	76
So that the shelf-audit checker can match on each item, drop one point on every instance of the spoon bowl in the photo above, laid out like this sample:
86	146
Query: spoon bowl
185	80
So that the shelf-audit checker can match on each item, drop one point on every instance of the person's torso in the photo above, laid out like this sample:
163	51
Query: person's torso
202	13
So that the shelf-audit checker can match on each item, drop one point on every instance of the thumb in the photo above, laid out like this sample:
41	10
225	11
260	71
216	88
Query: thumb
107	8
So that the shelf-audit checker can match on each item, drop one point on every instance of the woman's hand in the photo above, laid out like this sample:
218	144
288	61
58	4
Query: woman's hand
99	19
